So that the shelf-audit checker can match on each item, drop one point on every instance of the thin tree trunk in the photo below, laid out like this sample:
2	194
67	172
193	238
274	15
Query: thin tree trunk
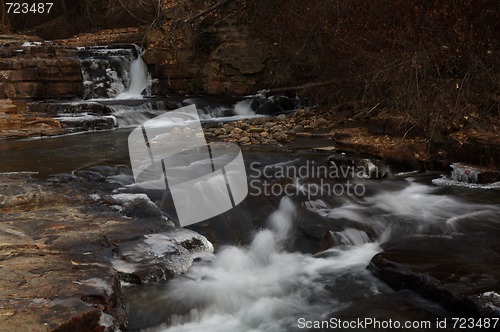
132	14
4	18
64	7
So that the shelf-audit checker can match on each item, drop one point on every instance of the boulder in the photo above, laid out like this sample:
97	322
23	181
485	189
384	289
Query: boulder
459	271
358	166
474	174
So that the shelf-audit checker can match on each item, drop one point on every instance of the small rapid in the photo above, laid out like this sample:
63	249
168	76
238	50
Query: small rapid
261	287
264	287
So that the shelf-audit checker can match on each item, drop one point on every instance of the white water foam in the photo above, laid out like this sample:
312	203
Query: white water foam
262	287
446	182
243	108
84	117
132	116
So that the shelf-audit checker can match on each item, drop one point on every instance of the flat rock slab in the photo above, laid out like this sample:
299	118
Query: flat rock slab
460	271
57	244
44	290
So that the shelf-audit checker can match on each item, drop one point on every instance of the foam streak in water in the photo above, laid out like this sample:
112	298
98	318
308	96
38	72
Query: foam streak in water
415	209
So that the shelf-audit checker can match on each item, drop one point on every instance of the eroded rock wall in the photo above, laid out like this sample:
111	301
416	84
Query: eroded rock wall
39	72
192	53
30	73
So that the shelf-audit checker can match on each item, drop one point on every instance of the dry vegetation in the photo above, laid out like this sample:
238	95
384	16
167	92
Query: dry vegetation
427	59
434	62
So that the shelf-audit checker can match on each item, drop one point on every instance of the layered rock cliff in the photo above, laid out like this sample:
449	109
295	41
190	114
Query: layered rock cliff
208	48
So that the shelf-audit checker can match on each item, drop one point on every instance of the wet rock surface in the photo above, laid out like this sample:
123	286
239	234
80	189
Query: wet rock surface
459	271
474	174
160	256
57	244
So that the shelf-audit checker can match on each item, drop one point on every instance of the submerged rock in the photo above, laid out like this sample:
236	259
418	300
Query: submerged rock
358	166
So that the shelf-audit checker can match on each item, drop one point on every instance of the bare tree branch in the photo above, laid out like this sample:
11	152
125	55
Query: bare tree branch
132	14
208	10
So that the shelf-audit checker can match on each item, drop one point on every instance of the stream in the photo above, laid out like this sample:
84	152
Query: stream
272	269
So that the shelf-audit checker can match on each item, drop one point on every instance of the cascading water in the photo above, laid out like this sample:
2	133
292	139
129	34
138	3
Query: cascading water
262	287
117	78
114	72
139	81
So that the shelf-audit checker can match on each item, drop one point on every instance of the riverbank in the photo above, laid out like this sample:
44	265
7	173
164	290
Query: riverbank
401	143
398	141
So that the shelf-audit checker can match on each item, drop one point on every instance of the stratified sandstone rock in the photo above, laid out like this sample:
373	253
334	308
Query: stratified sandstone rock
48	282
16	121
40	72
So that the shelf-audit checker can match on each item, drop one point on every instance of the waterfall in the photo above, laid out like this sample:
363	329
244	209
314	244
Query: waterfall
113	72
140	80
